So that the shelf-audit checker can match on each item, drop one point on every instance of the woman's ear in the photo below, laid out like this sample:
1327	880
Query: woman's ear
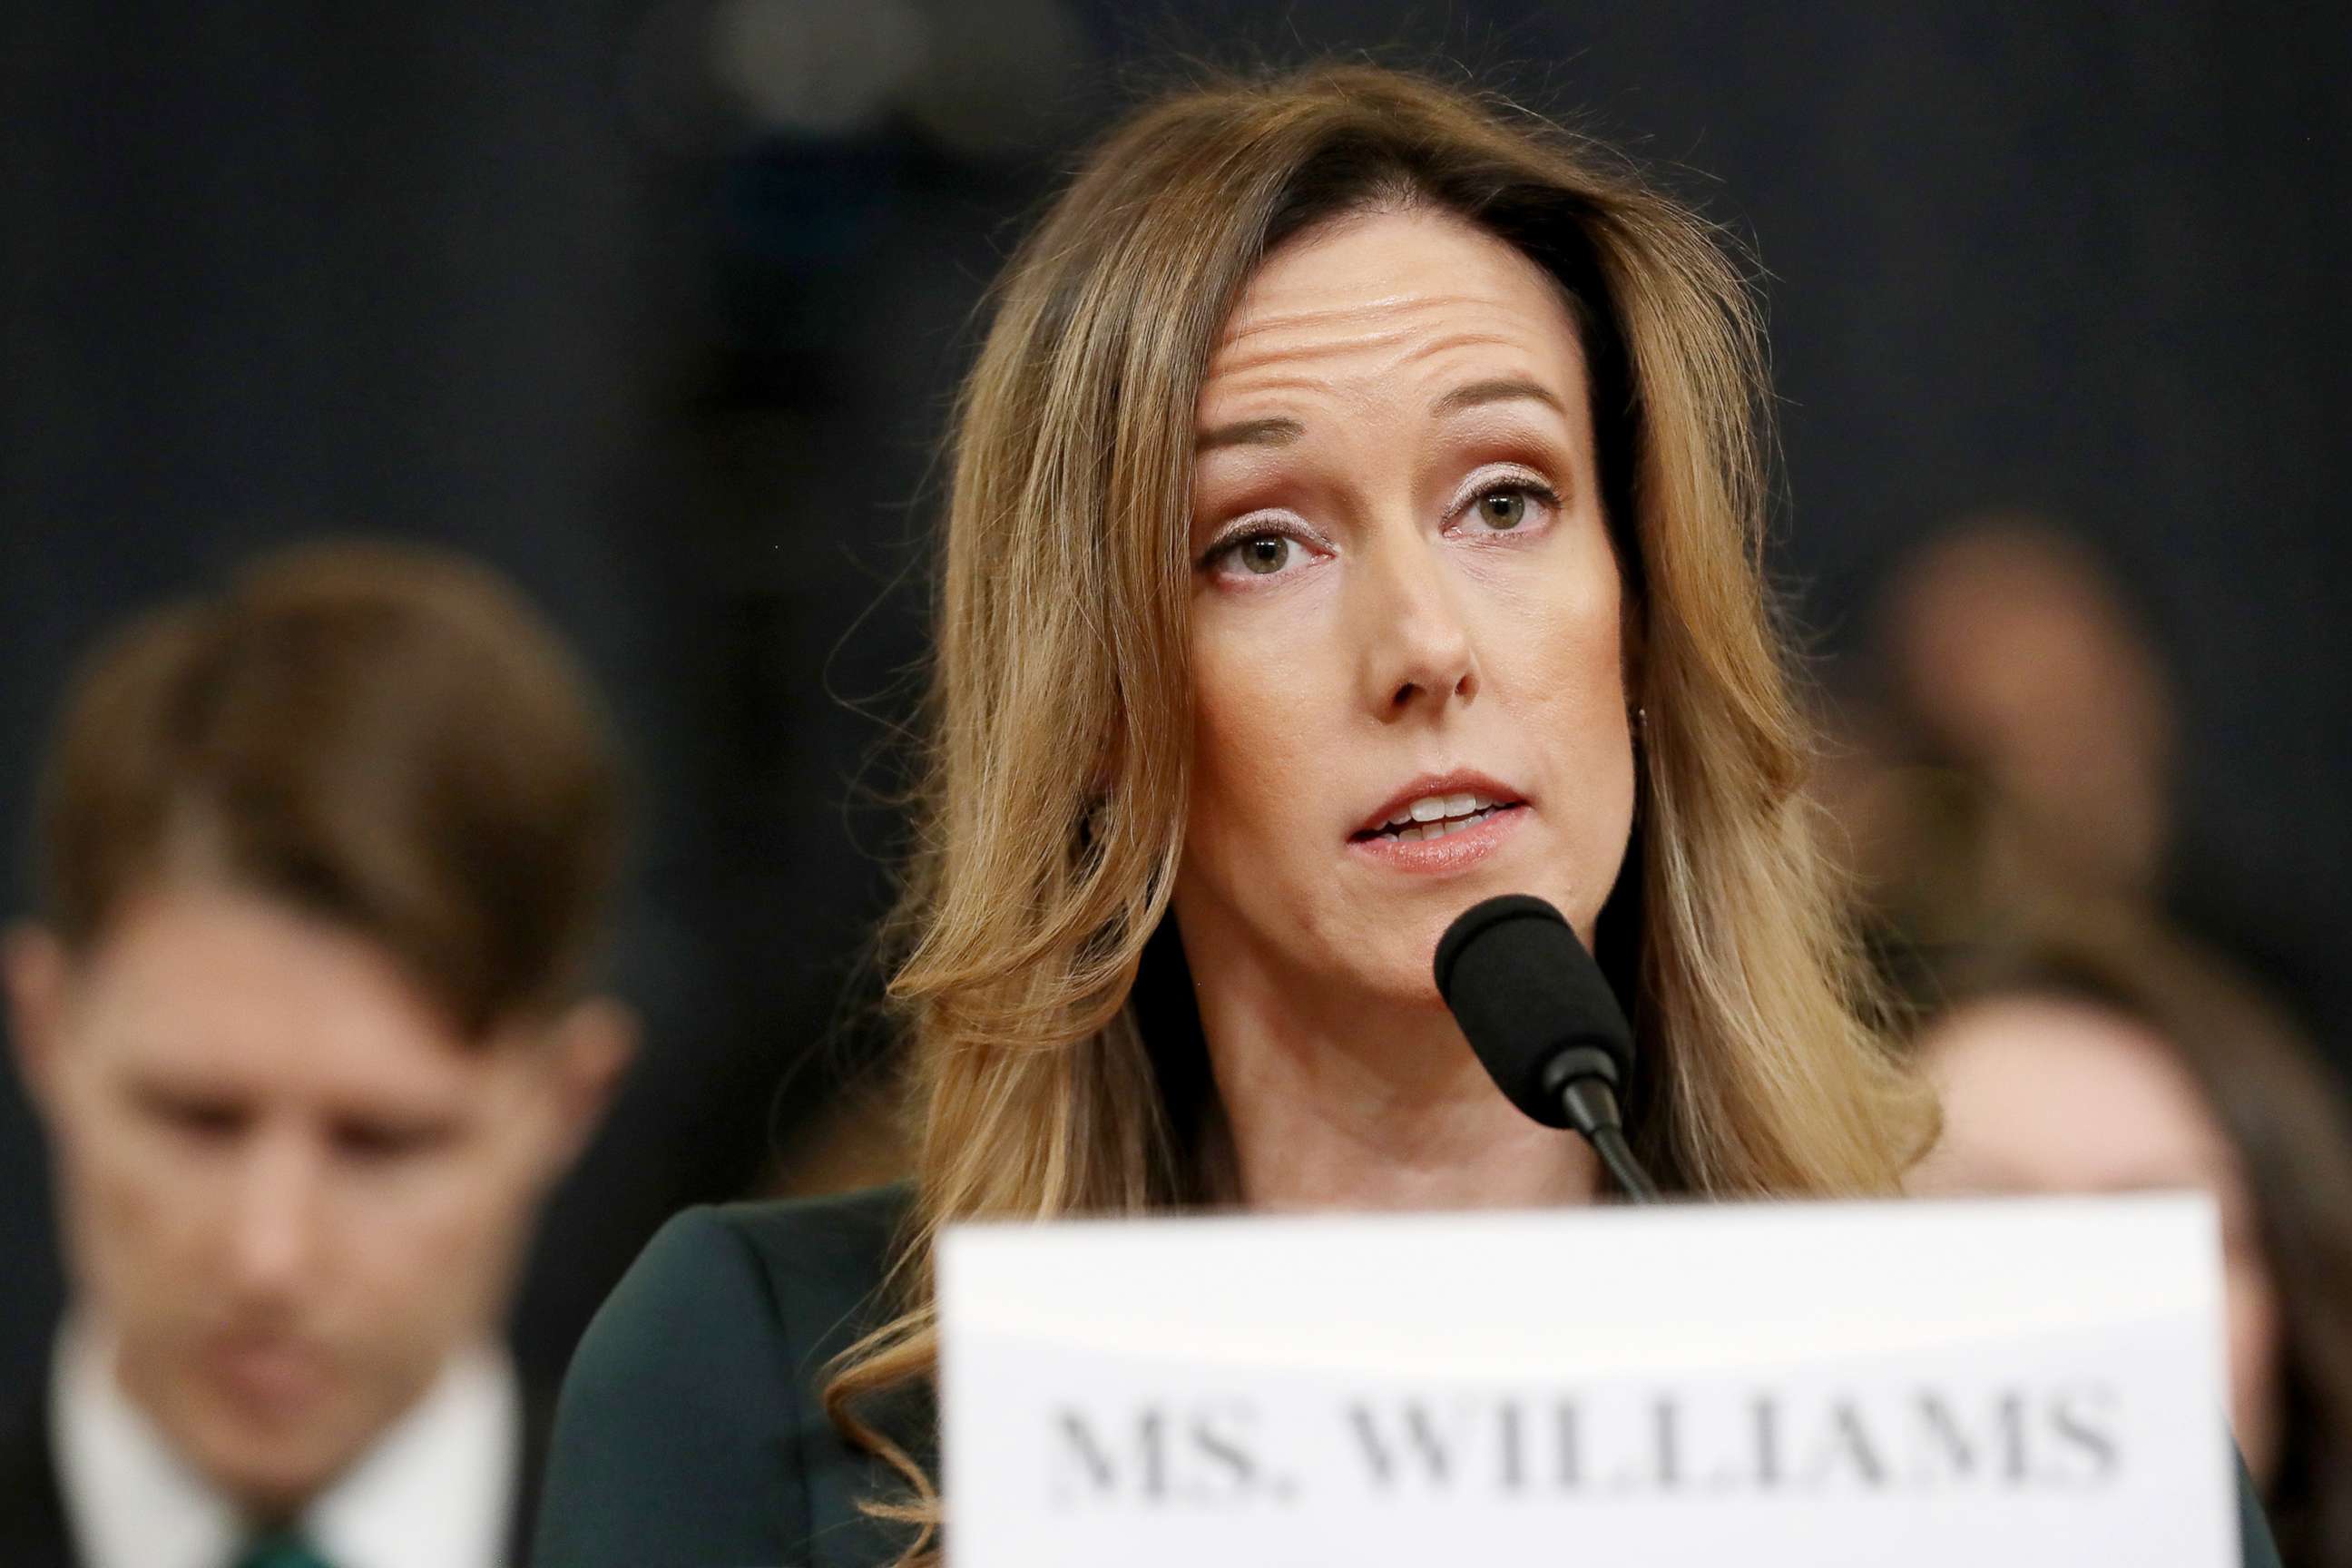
1633	649
34	968
1633	664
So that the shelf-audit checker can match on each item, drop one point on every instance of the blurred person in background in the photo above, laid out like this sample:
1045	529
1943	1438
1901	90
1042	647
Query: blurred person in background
325	862
2097	1053
2019	741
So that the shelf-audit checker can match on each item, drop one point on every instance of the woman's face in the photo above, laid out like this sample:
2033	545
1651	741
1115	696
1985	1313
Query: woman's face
2044	1095
1407	633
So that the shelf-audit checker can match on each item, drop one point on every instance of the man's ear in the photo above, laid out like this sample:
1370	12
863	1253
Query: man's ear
34	970
589	1048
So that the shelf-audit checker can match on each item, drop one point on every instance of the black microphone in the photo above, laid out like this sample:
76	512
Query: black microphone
1544	1023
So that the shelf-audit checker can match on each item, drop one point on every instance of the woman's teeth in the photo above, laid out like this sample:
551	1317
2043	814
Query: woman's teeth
1435	816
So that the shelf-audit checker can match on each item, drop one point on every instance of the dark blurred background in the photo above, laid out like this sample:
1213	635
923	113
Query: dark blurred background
656	307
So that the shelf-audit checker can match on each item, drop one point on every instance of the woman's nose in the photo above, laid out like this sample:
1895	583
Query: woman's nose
1413	631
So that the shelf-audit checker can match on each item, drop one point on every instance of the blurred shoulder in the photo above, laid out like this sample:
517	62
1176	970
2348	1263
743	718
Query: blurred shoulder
818	1248
33	1529
758	1269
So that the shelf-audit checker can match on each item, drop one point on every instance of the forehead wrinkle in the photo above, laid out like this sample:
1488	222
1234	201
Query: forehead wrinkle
1437	348
1378	322
1275	381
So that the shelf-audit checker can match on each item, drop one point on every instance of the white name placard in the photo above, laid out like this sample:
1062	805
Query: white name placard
2019	1383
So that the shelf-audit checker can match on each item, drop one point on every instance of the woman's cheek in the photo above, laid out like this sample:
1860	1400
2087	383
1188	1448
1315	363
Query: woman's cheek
1262	735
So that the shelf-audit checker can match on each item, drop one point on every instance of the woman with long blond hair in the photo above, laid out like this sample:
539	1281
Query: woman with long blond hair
1355	513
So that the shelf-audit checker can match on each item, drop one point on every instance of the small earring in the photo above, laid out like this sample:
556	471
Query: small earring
1641	724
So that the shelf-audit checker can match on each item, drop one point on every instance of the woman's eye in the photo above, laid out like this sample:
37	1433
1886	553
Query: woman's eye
1506	507
1266	554
1257	555
1503	508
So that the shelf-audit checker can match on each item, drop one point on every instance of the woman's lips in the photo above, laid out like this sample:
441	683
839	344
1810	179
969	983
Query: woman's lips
1433	797
1461	846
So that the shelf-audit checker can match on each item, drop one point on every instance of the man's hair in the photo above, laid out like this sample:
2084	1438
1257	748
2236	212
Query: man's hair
386	738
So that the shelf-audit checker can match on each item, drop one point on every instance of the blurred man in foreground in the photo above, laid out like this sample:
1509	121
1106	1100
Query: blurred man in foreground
325	862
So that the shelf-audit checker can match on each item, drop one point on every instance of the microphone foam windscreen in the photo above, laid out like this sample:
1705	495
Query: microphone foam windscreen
1525	991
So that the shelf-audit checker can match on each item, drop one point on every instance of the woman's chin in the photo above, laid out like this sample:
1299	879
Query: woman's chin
1392	968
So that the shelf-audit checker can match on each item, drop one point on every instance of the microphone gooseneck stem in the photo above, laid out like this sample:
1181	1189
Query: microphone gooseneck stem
1618	1155
1591	1108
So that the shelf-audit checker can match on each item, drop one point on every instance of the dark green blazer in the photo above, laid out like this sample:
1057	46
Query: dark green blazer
690	1434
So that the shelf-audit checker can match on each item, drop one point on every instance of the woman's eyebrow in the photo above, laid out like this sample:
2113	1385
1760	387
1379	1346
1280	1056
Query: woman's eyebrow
1282	432
1249	433
1499	389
